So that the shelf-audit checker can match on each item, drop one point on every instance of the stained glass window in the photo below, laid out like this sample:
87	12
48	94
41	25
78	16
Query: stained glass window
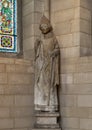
8	25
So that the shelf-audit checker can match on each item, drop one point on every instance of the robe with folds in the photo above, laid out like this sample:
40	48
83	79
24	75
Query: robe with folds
46	74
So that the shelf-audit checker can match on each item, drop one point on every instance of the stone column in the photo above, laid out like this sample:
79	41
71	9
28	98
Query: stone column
85	17
28	29
47	8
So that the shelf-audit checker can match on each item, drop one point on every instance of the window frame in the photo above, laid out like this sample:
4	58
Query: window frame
19	52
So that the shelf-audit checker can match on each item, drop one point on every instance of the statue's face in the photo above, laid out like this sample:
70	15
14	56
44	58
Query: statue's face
45	28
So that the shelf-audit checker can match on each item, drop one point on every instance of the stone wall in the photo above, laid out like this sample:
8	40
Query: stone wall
17	77
71	20
66	26
32	10
85	13
16	94
72	25
28	28
76	93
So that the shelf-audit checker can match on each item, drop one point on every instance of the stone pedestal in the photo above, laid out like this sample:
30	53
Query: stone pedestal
47	121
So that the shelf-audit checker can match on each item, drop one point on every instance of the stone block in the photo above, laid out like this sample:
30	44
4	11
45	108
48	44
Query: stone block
75	112
62	5
85	40
32	18
2	89
38	7
28	69
18	89
24	100
3	78
65	69
26	1
85	51
29	54
6	123
80	78
31	30
2	68
28	43
86	4
28	19
70	52
37	17
28	8
76	3
70	123
77	60
63	28
66	78
28	31
47	114
6	101
19	78
37	31
23	122
65	40
69	40
46	120
64	15
68	100
7	60
75	25
70	129
4	112
69	61
10	68
77	12
85	14
47	126
76	39
77	89
47	129
86	124
21	112
90	112
46	8
23	62
85	26
85	101
85	60
20	129
86	67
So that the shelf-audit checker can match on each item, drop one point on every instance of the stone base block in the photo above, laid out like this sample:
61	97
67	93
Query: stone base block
46	120
46	129
47	126
47	114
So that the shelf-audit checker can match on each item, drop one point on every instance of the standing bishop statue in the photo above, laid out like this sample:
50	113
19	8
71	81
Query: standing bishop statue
46	69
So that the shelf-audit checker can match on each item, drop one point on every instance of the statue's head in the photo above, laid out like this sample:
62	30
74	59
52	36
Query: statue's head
45	25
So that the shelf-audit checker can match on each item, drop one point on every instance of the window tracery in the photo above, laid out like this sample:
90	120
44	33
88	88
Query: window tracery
8	26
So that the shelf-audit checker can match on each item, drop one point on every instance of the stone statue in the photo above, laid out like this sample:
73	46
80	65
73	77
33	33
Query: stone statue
46	69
